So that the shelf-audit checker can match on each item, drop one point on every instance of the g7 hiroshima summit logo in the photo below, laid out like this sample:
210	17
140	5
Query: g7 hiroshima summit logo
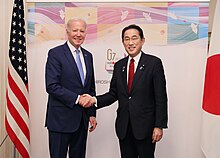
111	59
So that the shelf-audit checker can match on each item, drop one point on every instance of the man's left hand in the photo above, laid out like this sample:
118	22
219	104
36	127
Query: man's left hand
157	135
93	123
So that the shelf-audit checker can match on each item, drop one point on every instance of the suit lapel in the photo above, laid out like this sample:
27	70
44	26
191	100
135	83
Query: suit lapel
71	61
124	73
139	71
87	64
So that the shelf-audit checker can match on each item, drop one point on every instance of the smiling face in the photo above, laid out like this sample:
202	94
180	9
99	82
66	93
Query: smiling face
76	32
132	42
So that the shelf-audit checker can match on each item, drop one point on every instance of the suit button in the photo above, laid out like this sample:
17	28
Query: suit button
129	98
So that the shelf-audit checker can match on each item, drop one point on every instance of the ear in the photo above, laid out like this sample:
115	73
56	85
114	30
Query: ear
143	41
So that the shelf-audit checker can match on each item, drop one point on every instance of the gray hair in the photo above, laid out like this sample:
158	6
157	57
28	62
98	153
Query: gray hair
72	20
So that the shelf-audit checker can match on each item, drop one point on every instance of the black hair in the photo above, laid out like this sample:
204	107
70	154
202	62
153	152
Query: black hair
133	26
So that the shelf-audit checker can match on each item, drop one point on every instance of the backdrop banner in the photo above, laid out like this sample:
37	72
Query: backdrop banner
175	32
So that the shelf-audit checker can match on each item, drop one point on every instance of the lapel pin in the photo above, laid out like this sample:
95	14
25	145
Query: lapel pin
123	68
142	67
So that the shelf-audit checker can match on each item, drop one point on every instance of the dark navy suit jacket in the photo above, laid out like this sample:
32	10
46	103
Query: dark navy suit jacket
63	84
146	105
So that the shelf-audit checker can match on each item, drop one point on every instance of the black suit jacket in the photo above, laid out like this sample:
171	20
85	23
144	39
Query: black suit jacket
63	84
146	105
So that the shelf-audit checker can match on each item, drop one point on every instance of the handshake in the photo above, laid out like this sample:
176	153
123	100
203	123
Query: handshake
87	100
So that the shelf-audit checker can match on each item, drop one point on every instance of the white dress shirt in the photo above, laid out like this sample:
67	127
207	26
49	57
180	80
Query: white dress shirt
73	51
136	61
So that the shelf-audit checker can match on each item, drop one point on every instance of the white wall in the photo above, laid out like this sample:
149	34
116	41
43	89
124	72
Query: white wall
184	67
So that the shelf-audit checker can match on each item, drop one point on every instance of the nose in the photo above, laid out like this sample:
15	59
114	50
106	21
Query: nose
131	42
78	33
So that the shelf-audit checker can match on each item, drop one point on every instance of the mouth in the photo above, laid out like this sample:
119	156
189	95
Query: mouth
78	39
131	48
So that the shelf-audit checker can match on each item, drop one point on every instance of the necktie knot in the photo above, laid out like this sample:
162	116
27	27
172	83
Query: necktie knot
132	60
77	51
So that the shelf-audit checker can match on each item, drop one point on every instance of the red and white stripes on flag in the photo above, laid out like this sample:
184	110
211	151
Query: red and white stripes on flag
17	109
211	98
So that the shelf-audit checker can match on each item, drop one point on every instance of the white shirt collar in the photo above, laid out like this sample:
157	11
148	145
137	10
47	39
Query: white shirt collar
136	58
72	48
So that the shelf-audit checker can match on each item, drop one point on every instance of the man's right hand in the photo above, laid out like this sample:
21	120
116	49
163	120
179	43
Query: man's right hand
86	100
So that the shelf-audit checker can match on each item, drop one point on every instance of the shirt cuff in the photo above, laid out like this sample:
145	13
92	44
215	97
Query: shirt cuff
95	101
77	100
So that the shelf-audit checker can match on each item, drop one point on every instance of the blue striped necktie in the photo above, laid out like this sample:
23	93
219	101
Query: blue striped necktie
79	65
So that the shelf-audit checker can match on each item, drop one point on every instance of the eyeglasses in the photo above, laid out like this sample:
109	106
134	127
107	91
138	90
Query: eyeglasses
133	39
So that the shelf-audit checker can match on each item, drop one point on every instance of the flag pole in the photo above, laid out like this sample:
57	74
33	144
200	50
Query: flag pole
3	140
14	152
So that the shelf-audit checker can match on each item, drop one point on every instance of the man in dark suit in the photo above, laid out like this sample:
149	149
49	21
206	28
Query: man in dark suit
139	85
69	74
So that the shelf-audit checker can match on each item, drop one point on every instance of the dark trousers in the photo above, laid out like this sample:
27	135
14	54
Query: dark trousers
60	143
132	148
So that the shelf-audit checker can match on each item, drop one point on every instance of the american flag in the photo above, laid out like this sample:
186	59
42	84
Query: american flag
17	109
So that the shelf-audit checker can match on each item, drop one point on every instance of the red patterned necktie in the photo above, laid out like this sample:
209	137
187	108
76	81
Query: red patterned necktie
130	74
